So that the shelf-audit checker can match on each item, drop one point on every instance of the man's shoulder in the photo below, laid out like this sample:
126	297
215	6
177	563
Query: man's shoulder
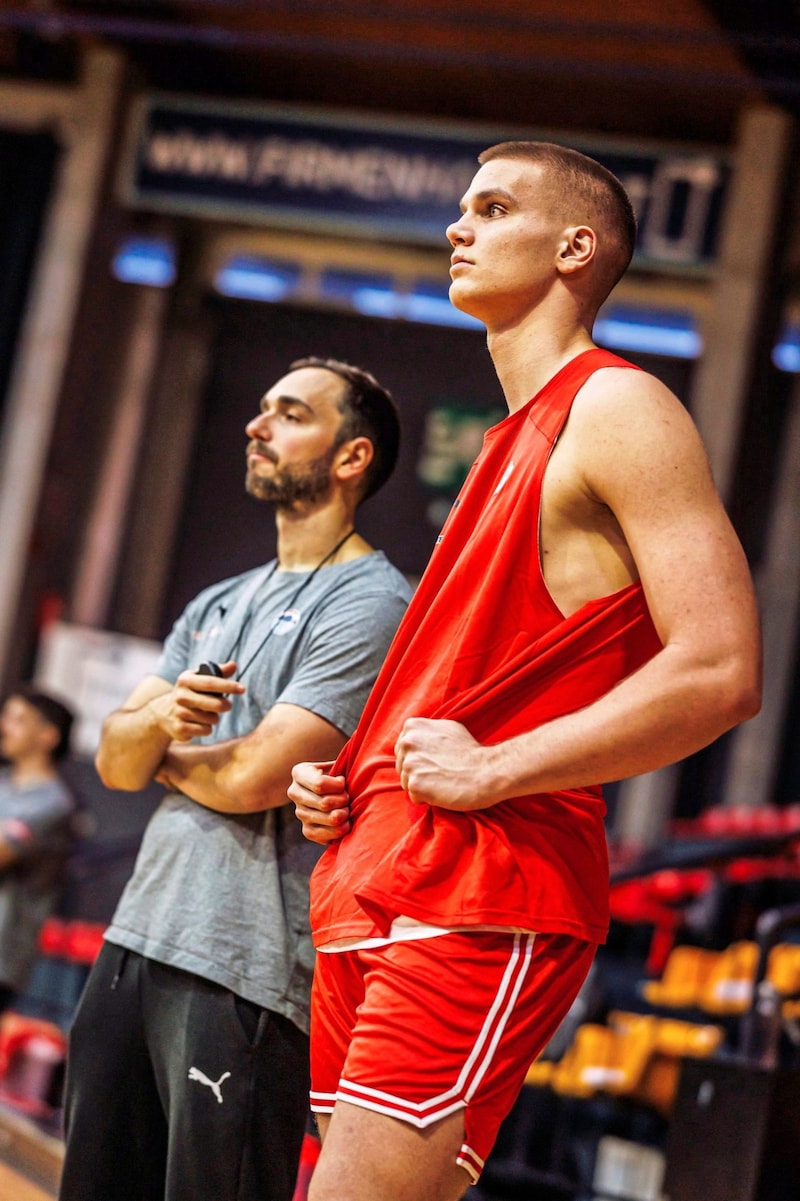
615	389
379	574
628	427
363	594
627	423
228	587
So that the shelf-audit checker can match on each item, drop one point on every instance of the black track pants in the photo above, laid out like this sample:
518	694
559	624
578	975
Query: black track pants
178	1090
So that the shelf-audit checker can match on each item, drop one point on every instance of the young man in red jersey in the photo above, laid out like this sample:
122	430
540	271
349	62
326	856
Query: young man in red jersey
587	615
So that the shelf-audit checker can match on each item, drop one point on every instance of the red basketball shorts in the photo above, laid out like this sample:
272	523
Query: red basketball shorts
421	1028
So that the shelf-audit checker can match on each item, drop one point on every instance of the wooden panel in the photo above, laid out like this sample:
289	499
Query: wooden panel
27	1154
626	69
14	1187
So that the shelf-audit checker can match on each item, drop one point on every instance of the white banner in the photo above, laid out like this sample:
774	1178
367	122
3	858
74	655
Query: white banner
92	671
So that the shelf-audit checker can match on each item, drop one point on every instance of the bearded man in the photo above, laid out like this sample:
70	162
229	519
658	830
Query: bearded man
188	1064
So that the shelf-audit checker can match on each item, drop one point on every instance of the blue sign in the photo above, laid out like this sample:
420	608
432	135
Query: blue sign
343	173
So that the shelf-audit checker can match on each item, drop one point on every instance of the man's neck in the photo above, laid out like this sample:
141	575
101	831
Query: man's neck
528	355
305	540
32	770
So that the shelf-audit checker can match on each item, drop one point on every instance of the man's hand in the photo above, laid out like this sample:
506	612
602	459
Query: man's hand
321	802
158	713
194	705
440	763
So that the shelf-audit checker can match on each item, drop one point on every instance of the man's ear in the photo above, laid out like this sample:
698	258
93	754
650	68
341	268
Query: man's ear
49	737
353	458
577	249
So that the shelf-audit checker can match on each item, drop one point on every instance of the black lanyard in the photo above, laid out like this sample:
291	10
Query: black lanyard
290	605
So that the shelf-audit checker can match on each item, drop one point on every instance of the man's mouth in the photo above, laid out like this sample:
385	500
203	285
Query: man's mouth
257	450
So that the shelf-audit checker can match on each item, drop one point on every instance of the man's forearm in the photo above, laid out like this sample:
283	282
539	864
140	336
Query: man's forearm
652	718
218	778
131	748
663	712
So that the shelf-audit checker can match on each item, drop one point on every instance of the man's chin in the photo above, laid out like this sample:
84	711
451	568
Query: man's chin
260	489
281	500
461	300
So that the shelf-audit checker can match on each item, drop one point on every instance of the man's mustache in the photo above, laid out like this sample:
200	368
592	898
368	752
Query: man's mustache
261	448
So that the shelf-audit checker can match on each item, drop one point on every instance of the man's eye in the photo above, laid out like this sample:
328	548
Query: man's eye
494	210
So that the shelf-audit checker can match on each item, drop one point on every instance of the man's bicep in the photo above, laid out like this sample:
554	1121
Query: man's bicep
655	477
697	581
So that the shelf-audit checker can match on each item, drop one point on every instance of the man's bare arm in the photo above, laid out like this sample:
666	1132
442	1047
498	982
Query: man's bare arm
135	738
646	463
252	773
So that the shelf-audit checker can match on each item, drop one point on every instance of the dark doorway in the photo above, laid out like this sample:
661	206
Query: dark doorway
27	162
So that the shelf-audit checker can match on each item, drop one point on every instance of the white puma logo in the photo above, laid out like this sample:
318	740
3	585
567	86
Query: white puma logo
214	1085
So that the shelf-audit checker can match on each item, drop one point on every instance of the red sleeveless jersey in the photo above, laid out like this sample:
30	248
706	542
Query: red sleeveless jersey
483	643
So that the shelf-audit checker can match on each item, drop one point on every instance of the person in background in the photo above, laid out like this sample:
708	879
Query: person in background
37	830
187	1073
587	615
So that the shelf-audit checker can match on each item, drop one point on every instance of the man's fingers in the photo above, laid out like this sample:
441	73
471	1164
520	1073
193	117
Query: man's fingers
313	779
323	820
202	685
185	731
324	834
321	803
314	808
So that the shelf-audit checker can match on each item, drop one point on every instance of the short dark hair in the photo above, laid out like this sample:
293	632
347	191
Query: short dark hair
368	411
53	711
592	184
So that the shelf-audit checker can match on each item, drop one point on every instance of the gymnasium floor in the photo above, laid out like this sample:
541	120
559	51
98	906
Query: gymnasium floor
14	1187
30	1159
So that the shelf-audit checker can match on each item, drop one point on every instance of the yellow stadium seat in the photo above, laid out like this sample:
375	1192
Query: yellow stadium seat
635	1055
685	976
783	968
728	988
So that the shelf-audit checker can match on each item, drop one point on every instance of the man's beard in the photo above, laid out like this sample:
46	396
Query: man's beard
289	487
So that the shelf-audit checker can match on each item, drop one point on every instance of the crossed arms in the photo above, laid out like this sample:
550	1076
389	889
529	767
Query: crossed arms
147	739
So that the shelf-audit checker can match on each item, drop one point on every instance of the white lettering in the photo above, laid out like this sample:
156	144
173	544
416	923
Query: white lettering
674	205
699	177
370	172
185	153
269	159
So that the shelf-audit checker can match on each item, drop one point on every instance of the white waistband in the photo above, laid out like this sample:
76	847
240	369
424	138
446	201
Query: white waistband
406	929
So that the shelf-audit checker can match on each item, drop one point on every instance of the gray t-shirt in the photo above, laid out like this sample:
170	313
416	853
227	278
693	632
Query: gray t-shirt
37	820
226	897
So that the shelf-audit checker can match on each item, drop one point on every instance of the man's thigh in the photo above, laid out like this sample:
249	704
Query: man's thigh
116	1130
367	1156
234	1078
446	1027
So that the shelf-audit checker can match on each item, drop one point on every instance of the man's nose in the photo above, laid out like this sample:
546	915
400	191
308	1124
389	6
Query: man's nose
458	232
258	427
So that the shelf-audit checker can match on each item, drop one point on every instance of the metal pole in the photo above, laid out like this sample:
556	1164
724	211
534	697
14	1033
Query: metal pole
83	120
